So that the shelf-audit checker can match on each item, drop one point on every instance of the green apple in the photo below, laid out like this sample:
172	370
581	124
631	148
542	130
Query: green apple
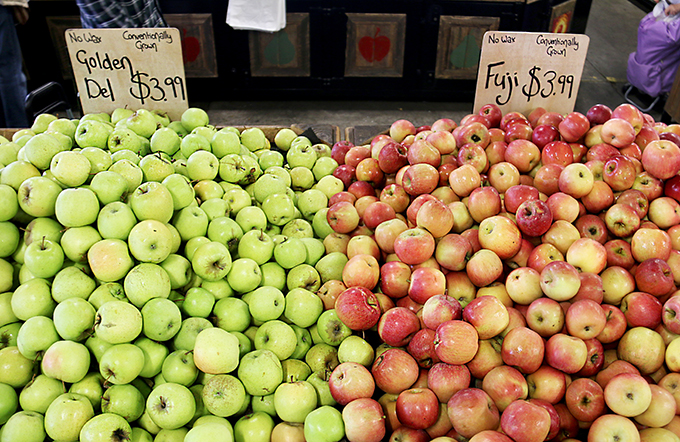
92	387
124	400
261	372
138	434
279	208
273	275
7	276
329	185
123	138
142	122
212	431
77	242
150	241
331	329
324	424
215	208
105	426
233	168
301	155
295	370
38	228
120	113
179	270
156	166
211	261
41	122
121	363
9	152
165	140
62	126
264	404
38	196
43	258
302	178
303	342
40	149
225	142
109	260
356	349
251	218
294	401
92	133
152	200
237	198
290	253
322	357
116	220
185	339
226	231
254	139
193	118
265	303
202	165
231	314
67	415
72	282
100	159
108	291
162	319
38	394
109	186
179	367
319	380
276	336
191	222
74	319
269	158
146	281
302	307
180	188
284	137
15	173
224	395
97	346
129	170
71	168
154	355
269	184
31	298
207	189
68	361
216	351
281	172
9	204
24	426
331	265
198	302
244	275
76	207
324	166
305	276
310	202
9	238
254	427
9	334
256	245
118	322
9	401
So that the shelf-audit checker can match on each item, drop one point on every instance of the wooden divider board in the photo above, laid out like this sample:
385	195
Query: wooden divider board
134	68
520	71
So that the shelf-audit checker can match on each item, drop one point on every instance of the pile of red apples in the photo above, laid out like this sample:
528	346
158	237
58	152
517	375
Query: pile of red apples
517	274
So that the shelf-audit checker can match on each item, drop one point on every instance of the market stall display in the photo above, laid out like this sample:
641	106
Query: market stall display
505	277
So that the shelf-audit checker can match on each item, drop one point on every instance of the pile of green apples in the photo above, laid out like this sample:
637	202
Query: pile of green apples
167	281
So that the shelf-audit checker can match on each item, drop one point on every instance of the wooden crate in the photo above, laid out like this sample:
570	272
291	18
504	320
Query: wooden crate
672	106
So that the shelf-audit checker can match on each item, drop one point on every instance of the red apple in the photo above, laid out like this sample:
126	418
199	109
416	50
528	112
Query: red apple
358	308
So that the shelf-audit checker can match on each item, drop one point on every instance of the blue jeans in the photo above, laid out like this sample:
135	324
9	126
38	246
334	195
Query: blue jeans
12	78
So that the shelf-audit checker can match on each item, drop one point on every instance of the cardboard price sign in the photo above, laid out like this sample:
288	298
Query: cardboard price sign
520	71
134	68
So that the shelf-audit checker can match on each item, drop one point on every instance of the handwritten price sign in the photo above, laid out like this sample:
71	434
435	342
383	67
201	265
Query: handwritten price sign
520	71
133	68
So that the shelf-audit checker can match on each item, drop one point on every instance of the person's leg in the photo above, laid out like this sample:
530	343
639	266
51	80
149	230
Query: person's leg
12	78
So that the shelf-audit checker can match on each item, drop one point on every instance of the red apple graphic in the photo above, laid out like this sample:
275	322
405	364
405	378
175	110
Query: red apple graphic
374	48
191	47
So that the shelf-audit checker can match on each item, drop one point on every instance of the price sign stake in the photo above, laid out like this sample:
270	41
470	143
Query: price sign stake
520	71
134	68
